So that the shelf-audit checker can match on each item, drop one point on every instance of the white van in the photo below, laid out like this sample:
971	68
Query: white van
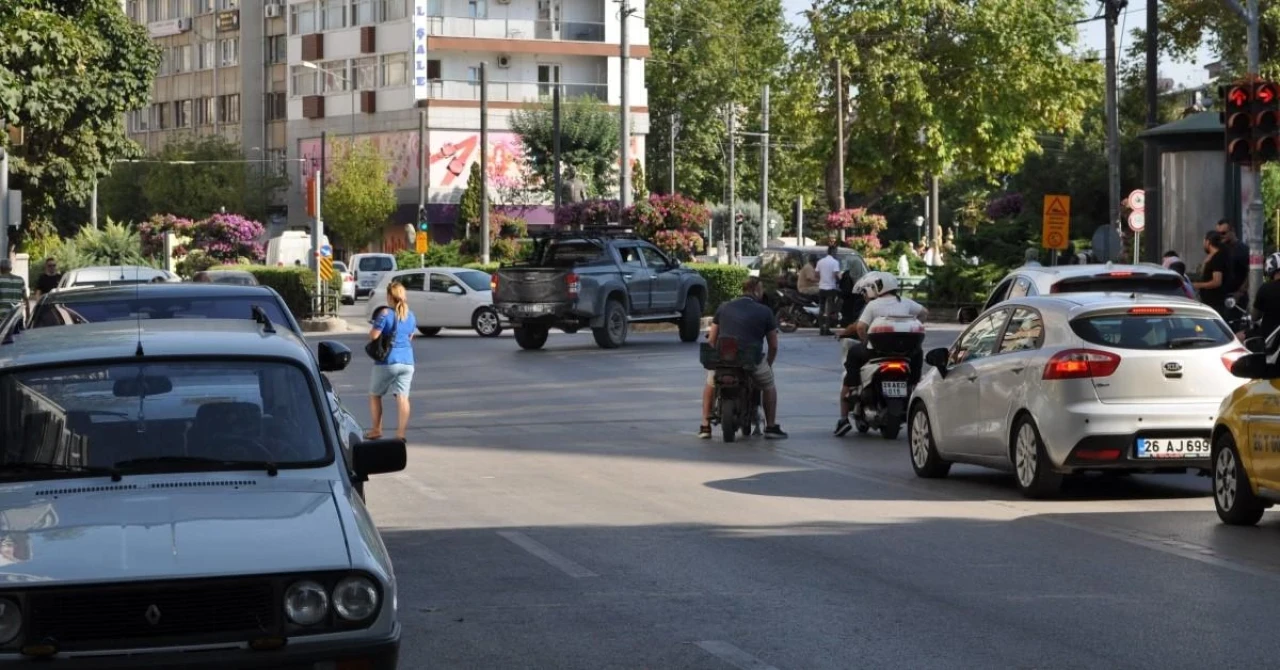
292	248
368	270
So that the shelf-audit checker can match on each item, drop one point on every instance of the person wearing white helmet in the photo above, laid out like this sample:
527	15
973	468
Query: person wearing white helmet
1266	305
881	291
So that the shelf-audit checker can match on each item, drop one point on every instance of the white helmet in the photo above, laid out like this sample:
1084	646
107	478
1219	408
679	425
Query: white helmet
1273	264
878	283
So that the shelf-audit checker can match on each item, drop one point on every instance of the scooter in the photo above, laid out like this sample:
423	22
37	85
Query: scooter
888	378
1242	324
796	310
737	404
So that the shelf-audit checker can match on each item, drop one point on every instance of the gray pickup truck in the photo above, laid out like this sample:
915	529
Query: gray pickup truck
604	281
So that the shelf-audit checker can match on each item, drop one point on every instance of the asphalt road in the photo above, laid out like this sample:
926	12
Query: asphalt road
558	512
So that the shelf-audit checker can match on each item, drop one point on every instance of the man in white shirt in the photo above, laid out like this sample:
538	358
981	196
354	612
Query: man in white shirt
828	288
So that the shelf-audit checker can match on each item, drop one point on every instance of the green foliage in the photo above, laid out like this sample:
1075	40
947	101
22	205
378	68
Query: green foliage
588	142
1186	25
68	73
469	206
959	283
639	191
218	178
724	282
294	284
749	212
438	255
113	244
483	267
358	196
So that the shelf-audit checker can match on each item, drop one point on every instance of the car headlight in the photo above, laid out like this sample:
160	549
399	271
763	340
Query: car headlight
306	603
10	620
355	599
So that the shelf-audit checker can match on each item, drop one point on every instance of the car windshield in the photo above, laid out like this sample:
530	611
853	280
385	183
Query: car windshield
87	311
110	282
177	415
1134	331
1158	285
376	264
478	281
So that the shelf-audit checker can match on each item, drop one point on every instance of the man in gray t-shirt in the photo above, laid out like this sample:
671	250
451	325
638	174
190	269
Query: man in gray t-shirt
752	323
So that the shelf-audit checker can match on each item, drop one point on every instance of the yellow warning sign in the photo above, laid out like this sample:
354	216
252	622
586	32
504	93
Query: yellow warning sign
1057	222
421	243
326	267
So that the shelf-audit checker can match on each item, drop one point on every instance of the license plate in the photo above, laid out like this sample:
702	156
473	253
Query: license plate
368	282
1173	448
894	389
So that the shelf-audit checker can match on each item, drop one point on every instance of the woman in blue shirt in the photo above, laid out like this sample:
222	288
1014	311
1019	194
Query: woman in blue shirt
395	374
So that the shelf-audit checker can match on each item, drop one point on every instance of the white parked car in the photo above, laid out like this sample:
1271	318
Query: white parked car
1051	386
369	269
348	283
444	298
111	275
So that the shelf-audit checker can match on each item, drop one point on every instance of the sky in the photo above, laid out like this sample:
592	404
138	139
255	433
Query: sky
1093	37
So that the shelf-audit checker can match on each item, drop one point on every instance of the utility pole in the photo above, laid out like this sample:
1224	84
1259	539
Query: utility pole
671	187
555	131
4	195
93	205
424	171
624	198
1254	216
733	198
1113	9
484	163
840	127
935	231
800	221
1151	186
764	169
317	228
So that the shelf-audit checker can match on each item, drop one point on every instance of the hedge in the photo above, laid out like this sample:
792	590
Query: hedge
724	282
294	284
483	267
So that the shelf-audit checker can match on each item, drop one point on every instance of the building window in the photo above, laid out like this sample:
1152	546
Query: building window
473	75
182	114
131	10
207	51
153	11
333	76
277	49
478	9
228	4
277	106
205	110
276	158
204	6
548	76
433	69
229	108
138	119
364	12
365	72
394	10
302	18
159	112
395	69
229	52
304	80
333	14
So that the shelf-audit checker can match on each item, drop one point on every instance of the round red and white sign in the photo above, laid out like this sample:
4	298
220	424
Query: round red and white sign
1137	200
1137	221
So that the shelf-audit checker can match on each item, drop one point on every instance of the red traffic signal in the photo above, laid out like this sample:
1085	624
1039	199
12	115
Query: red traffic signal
1266	93
1238	96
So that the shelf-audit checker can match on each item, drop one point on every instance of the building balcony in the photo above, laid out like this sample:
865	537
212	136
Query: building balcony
514	91
515	29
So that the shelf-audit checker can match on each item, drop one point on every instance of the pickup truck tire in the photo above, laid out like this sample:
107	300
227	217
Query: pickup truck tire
486	322
429	332
613	333
691	319
531	337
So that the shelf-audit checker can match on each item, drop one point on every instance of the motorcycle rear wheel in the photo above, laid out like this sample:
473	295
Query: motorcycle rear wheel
729	419
787	321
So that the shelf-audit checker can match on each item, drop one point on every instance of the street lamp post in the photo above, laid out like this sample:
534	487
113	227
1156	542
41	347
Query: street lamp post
919	226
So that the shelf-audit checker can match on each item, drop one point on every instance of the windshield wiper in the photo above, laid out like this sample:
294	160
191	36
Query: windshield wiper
1178	343
61	467
161	462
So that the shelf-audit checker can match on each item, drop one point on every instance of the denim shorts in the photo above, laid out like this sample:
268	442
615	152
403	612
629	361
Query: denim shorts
393	379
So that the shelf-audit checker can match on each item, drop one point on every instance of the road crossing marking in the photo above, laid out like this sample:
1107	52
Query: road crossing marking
544	552
413	483
733	655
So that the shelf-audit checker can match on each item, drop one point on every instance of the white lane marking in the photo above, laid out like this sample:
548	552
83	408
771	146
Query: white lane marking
733	655
418	486
544	552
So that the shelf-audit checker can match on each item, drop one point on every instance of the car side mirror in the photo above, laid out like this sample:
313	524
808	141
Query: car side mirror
334	356
376	457
456	290
938	358
966	315
1254	366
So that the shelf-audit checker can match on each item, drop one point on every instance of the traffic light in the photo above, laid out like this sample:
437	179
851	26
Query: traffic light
1266	121
1237	121
422	219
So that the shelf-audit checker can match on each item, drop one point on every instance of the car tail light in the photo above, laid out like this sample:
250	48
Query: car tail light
572	280
1081	364
1118	274
894	366
1150	311
493	282
1098	454
1230	357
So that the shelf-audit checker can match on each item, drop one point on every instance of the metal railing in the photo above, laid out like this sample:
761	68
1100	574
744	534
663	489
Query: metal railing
513	91
515	29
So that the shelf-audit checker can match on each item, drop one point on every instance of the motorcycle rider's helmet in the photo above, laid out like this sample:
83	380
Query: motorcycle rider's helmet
867	286
1273	264
877	283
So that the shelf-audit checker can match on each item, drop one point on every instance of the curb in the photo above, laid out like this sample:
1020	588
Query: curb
325	325
666	327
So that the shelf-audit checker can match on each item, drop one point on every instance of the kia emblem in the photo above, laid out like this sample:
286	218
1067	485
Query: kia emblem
1173	366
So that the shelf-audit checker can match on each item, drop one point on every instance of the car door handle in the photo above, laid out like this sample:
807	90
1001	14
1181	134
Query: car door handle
1018	370
627	277
972	377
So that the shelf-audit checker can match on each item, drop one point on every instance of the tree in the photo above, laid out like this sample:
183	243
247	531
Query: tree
749	220
638	189
215	177
472	200
68	73
359	198
961	88
588	142
1187	24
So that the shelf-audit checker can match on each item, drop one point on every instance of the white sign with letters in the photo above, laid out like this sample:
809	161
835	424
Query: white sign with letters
421	89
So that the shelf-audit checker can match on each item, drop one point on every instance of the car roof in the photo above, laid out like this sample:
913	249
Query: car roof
167	290
120	339
373	253
840	251
1071	305
1089	270
112	269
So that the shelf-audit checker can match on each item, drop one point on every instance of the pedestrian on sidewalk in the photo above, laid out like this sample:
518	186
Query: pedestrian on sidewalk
13	291
394	375
828	288
49	279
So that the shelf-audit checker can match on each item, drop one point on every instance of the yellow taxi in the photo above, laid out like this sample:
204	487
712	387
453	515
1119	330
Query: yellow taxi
1246	443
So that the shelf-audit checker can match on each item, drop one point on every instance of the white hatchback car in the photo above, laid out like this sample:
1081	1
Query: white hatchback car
444	298
1078	382
348	283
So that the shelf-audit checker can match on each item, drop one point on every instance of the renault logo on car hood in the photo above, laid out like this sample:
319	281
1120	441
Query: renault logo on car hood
153	615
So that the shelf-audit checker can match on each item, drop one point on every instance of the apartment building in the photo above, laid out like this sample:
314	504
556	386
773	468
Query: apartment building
364	69
222	71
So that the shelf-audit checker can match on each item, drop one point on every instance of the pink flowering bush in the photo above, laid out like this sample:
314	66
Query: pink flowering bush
856	220
678	244
673	223
865	245
152	232
228	237
1005	206
598	212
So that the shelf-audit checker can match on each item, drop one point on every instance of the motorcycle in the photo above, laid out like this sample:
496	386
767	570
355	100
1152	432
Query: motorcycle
797	310
736	405
887	380
1242	324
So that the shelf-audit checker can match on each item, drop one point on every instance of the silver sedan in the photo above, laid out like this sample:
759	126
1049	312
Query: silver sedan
1050	386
